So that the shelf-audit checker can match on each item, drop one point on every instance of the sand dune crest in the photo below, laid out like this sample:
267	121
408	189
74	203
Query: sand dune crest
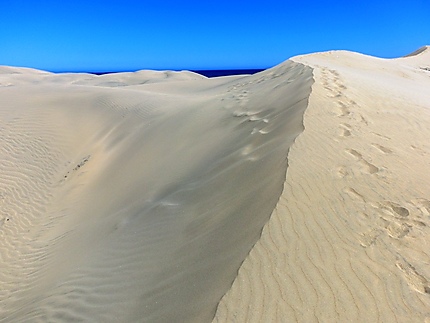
347	240
139	196
135	197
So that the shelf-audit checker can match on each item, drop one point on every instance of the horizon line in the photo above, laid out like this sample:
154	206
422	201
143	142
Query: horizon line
131	70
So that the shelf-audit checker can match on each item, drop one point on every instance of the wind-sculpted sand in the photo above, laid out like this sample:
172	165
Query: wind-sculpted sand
349	240
135	197
166	196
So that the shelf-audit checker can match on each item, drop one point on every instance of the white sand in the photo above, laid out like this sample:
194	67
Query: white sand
136	196
349	240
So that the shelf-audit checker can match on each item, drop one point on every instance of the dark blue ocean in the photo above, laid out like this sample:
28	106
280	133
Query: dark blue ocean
215	73
207	73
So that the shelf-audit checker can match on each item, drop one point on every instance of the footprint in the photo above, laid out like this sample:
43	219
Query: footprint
372	169
337	95
369	167
342	172
394	209
334	73
346	126
344	111
346	130
345	133
354	194
382	136
383	149
416	280
354	153
398	230
369	238
423	205
364	120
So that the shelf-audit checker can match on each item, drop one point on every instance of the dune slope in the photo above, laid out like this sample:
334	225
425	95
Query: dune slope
349	239
136	197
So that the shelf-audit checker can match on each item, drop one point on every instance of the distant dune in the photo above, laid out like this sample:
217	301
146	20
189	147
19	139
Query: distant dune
418	51
136	196
299	193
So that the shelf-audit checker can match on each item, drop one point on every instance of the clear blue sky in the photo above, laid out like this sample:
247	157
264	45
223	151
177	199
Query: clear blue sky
108	35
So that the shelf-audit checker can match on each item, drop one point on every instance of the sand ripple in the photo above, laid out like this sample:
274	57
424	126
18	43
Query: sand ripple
138	202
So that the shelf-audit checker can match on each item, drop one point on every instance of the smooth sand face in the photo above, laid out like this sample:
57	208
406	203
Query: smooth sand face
136	196
349	239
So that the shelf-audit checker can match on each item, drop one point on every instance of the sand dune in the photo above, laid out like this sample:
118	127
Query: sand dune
140	197
349	239
136	196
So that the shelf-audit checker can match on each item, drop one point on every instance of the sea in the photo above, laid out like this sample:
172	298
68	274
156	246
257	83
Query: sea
207	73
216	73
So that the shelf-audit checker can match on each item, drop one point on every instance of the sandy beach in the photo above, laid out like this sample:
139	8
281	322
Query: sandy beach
297	194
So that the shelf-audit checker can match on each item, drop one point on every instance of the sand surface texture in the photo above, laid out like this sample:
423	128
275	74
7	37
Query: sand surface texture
135	197
349	240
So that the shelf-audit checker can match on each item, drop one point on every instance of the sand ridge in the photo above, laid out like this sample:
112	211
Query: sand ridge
348	240
135	197
139	196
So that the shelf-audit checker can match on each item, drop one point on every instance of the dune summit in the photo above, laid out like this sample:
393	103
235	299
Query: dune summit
296	194
136	196
349	238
